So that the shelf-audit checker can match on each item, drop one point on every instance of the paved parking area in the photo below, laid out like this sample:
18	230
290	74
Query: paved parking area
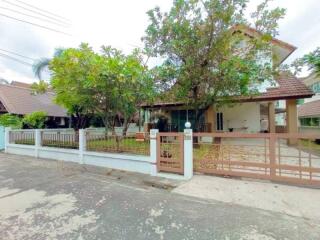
42	199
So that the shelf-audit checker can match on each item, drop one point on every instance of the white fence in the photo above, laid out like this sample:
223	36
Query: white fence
66	145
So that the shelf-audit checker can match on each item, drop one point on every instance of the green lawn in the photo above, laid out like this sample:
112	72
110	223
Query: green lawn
127	145
25	141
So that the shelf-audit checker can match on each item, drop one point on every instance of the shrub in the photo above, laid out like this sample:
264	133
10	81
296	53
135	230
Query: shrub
35	120
10	120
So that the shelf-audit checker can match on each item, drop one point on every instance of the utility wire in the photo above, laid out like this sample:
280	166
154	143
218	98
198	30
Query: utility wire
34	24
15	59
17	54
32	6
32	16
37	12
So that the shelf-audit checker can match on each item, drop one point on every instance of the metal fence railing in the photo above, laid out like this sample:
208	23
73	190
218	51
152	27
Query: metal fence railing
291	158
170	152
25	137
60	139
100	141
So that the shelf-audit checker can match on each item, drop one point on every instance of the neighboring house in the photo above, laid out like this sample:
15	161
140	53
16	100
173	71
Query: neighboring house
249	114
309	110
16	98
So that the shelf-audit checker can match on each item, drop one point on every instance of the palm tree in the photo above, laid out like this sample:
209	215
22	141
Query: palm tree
38	67
43	63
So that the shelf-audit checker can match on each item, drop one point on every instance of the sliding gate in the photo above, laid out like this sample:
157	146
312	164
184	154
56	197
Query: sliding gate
292	158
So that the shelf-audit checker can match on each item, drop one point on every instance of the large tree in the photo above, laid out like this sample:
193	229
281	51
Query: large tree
110	84
202	44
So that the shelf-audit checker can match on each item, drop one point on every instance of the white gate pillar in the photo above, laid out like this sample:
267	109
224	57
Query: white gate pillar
188	154
37	141
153	151
82	144
6	138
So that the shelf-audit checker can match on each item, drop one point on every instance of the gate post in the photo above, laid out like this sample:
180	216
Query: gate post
82	144
272	154
37	141
188	154
6	138
153	151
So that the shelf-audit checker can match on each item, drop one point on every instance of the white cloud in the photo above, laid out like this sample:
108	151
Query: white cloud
122	24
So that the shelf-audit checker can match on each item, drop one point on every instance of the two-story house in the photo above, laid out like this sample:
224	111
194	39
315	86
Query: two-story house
309	108
251	114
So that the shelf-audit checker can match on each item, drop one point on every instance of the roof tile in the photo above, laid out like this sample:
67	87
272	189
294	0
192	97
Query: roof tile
19	100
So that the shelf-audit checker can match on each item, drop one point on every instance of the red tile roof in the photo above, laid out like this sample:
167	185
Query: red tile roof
309	109
289	87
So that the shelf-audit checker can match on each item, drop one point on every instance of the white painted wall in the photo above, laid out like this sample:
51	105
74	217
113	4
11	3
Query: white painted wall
241	116
126	162
311	130
140	164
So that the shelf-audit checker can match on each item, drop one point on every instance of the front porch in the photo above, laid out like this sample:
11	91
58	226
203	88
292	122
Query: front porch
245	117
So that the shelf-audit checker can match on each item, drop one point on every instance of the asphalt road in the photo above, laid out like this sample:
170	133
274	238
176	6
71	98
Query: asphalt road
41	199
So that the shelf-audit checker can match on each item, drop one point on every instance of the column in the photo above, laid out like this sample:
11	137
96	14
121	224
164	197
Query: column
272	124
292	119
210	118
82	144
153	151
188	154
6	138
37	141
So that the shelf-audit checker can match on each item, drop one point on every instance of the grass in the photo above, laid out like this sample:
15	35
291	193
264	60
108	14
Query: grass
127	145
25	141
60	144
311	146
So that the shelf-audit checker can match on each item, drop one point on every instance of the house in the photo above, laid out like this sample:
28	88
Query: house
17	98
309	108
250	114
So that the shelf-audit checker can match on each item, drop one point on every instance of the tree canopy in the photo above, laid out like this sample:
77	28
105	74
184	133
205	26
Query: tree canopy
108	84
206	54
310	60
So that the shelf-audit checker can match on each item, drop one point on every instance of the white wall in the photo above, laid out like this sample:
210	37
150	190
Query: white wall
241	116
140	164
311	130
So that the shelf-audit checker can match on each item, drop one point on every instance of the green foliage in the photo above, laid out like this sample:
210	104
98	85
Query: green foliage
106	84
311	60
202	44
10	120
35	120
40	88
42	64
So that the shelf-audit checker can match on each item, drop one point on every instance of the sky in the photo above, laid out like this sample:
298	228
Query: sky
119	23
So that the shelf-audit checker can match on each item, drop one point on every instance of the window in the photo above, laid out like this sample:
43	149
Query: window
219	119
300	101
310	122
316	87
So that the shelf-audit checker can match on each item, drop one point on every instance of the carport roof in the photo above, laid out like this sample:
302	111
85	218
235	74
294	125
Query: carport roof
289	87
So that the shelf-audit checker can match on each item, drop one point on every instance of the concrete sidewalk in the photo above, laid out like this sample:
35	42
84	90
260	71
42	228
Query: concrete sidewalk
295	201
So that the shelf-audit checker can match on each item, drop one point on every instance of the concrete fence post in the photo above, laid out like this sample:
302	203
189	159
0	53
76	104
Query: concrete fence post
37	141
82	144
153	151
6	138
188	154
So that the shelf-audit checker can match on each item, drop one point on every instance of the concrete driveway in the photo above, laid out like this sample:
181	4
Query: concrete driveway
41	199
